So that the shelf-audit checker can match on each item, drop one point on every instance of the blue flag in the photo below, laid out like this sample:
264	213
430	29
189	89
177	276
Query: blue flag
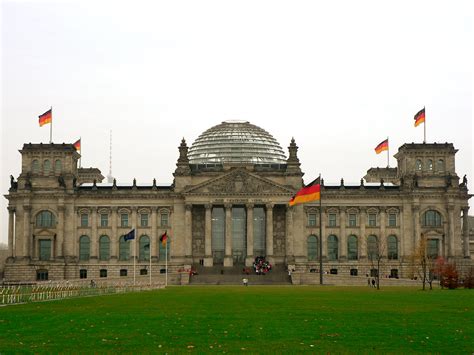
130	235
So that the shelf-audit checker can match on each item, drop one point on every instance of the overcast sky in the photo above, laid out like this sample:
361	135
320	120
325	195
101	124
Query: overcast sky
338	76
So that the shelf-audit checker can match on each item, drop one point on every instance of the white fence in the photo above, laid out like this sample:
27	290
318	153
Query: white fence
53	291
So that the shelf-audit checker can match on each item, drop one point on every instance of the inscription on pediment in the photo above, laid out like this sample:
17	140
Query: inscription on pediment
239	183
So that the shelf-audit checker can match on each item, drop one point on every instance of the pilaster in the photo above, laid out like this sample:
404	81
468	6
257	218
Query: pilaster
228	260
250	258
208	261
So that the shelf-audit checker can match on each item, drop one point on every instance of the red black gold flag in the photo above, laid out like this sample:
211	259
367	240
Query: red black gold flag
164	239
382	146
311	192
77	144
46	117
420	117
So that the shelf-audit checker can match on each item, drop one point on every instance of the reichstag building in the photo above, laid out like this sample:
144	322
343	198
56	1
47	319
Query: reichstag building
228	204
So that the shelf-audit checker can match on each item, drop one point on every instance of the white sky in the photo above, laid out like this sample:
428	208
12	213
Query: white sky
338	76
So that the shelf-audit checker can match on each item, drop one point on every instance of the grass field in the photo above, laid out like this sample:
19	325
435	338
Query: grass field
246	319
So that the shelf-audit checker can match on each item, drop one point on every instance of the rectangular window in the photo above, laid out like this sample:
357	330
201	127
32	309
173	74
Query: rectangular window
372	220
103	272
144	220
432	248
392	219
83	274
124	220
123	272
84	220
332	220
143	272
104	220
311	219
352	220
164	220
45	249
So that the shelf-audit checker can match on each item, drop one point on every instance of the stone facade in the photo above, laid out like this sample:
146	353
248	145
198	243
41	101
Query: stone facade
61	228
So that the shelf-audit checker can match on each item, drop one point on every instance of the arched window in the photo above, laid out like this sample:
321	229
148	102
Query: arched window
45	219
313	248
58	167
430	165
144	246
440	165
35	166
432	219
104	248
333	248
392	247
124	248
352	248
372	247
84	247
162	251
418	165
46	166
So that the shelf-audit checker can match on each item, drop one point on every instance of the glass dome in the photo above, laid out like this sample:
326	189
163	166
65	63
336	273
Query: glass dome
236	142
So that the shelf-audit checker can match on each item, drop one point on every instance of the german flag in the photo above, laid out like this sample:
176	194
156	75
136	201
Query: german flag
164	239
420	117
311	192
46	117
382	146
77	144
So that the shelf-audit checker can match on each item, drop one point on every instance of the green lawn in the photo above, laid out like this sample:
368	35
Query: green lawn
253	319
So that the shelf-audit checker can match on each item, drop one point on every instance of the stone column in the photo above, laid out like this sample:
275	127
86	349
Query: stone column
11	221
401	244
290	248
114	239
342	234
452	250
69	231
383	245
188	221
363	238
94	238
250	258
27	237
269	231
228	260
416	227
323	237
59	245
208	261
135	225
465	231
154	236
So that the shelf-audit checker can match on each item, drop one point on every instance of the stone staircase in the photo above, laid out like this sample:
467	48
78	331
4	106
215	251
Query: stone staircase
219	275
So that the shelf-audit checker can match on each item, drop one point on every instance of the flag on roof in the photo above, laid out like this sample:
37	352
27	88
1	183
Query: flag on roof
310	192
46	117
420	117
77	144
382	146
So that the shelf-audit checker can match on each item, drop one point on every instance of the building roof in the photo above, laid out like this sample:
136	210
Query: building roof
236	142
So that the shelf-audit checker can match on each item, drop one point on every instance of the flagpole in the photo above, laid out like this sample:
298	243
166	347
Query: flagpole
149	256
134	259
320	234
388	153
51	127
424	126
80	148
166	262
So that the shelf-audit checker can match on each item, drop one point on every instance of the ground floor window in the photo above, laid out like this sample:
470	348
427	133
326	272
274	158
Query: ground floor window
103	273
143	272
42	275
162	271
83	274
353	272
374	272
333	271
394	273
123	272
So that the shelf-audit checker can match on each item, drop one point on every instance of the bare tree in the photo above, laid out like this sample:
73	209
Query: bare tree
376	249
425	265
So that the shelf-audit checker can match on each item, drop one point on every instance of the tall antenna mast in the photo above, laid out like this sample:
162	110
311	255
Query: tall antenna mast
110	178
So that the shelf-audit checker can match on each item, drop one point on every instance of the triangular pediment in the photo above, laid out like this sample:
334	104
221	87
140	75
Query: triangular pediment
239	182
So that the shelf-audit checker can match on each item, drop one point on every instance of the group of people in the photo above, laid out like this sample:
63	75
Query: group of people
261	266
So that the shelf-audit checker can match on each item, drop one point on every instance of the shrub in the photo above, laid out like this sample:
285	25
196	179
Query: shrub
450	277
